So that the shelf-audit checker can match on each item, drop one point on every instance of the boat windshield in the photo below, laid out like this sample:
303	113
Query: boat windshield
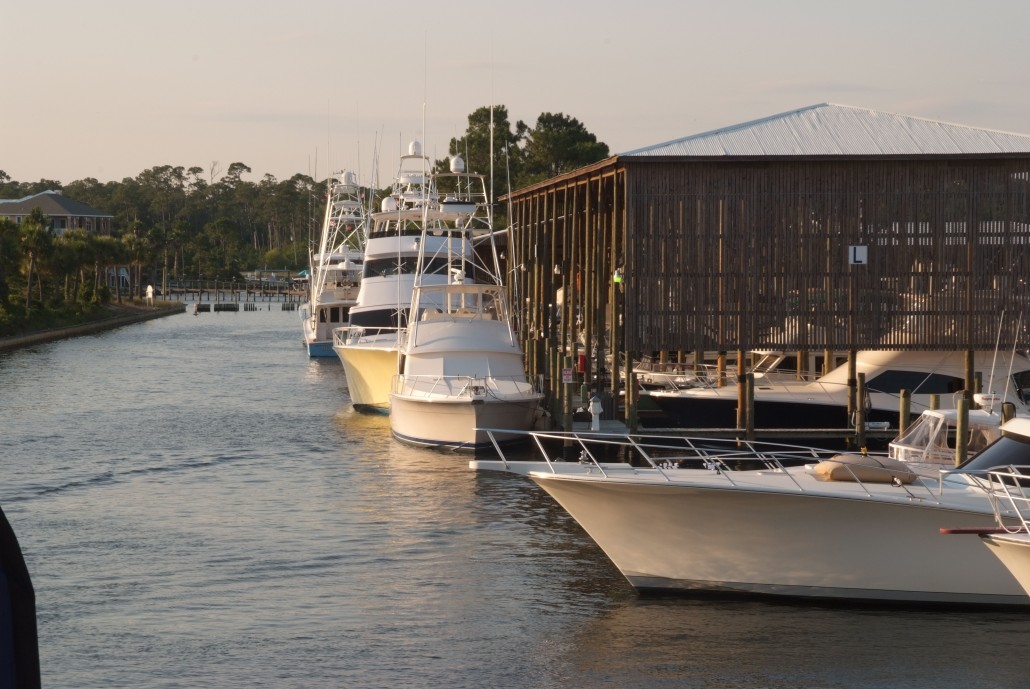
1009	450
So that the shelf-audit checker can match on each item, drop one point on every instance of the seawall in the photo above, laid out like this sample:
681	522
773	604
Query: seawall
124	315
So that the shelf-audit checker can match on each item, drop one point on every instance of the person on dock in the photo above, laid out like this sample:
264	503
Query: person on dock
150	295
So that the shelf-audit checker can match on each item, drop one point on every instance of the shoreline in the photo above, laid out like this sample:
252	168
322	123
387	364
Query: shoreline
121	315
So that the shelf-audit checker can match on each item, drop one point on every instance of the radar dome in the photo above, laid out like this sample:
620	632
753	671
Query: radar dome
415	148
457	164
389	204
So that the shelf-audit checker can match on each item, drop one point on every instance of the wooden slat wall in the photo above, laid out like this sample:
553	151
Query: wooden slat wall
752	256
745	255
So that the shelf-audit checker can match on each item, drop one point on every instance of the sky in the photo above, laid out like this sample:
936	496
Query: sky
106	90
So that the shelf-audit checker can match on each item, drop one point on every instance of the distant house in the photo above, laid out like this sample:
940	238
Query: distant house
64	213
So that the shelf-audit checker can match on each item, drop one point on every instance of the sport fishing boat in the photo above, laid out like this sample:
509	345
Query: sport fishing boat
335	265
462	367
368	348
735	517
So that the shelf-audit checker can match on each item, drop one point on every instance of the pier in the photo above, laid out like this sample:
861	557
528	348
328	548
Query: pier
685	251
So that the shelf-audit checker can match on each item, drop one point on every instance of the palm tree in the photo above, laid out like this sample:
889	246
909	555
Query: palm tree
8	256
109	253
36	244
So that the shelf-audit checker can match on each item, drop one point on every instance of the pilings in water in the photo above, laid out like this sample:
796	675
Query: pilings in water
240	292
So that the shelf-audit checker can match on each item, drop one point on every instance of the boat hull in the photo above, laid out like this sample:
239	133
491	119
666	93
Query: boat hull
453	424
689	537
1013	551
321	349
682	411
369	372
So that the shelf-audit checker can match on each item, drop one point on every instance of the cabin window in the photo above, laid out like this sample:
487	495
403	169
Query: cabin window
402	265
918	383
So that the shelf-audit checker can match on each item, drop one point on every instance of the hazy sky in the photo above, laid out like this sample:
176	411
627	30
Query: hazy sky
109	89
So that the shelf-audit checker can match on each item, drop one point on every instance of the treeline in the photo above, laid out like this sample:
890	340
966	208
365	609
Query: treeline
177	222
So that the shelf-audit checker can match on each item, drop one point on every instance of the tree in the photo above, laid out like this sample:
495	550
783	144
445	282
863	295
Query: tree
557	144
109	253
36	243
72	252
8	257
475	147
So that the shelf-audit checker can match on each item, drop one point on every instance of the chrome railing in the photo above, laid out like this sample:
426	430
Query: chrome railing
1009	489
469	387
727	458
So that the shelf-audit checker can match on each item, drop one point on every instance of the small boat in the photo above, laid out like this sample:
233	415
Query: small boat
692	514
335	266
769	366
462	367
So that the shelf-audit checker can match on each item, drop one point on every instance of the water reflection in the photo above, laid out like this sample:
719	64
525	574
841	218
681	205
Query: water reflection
668	641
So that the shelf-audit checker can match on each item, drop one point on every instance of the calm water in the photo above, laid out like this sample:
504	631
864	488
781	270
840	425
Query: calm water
199	507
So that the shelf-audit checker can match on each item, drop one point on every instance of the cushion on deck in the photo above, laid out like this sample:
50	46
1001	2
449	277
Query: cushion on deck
852	467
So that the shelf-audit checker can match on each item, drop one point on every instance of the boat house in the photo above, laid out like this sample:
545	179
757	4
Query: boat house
829	227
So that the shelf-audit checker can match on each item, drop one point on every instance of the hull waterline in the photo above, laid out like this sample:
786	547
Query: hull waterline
674	537
453	424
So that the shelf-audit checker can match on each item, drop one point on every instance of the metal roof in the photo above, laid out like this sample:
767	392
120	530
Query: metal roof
830	129
52	203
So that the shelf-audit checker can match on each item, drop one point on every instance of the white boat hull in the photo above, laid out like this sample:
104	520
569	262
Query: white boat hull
455	423
369	372
714	537
1013	550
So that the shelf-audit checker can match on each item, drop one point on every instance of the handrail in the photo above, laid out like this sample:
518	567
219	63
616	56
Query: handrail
354	334
1009	486
725	457
465	386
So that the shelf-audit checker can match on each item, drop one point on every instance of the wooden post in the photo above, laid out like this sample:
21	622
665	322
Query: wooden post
741	400
962	431
904	410
631	393
860	412
750	385
567	399
970	374
852	383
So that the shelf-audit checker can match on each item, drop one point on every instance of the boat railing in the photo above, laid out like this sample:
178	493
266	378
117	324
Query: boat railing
723	456
1009	490
679	377
470	387
360	334
727	458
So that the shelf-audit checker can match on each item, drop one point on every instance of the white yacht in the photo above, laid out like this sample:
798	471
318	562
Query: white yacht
335	265
368	348
1009	542
462	368
822	403
751	518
